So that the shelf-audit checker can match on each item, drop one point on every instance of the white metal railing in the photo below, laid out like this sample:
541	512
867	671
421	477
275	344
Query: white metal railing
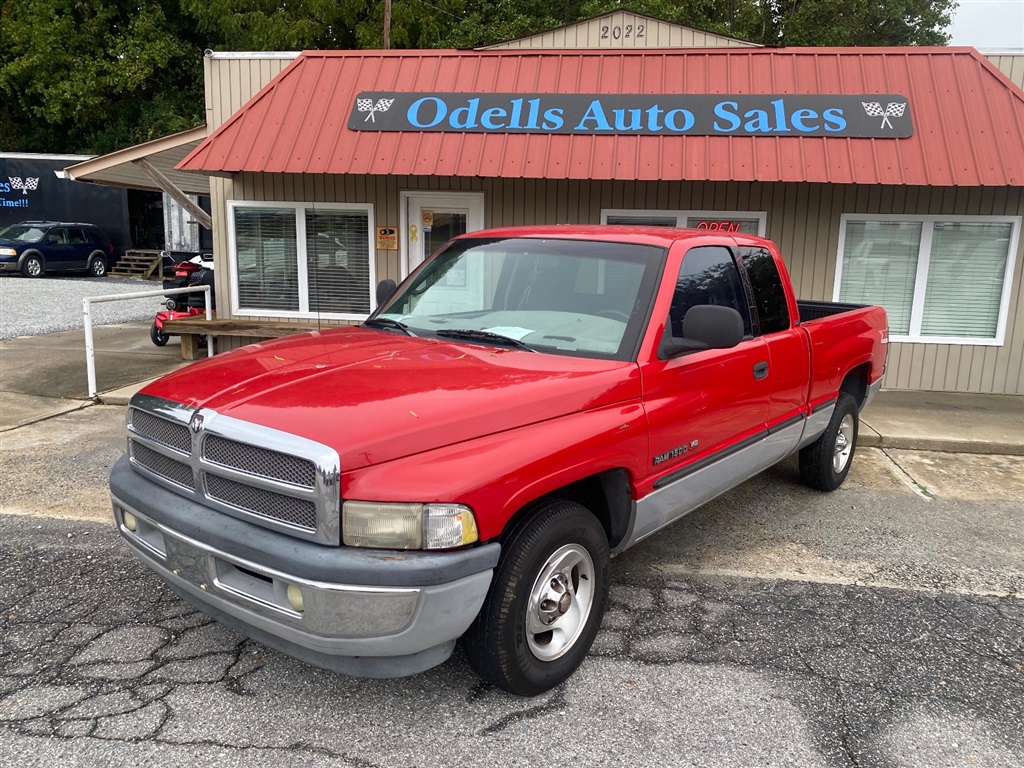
90	353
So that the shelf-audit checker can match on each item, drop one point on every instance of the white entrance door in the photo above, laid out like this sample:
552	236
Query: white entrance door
430	219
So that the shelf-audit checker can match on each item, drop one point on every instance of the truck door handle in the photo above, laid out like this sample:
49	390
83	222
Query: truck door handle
760	370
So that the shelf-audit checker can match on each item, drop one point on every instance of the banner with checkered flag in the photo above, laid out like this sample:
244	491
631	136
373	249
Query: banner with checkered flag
892	109
367	105
25	184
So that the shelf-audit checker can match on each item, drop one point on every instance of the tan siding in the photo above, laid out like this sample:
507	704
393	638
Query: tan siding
231	82
1011	65
622	29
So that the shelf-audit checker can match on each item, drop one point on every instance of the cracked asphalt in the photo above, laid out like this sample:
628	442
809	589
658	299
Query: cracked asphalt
882	625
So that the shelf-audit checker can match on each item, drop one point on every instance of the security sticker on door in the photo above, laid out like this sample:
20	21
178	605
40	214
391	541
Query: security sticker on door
428	220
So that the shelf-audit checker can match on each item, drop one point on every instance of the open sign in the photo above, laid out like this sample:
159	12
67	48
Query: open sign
719	226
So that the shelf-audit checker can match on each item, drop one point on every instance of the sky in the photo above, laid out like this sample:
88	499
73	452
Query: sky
994	25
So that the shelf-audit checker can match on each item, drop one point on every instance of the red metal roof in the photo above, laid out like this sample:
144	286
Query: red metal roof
968	117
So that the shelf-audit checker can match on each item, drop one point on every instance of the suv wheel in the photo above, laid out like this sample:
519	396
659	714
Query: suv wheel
32	266
98	266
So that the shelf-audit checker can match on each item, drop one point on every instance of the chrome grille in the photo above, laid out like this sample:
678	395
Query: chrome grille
262	502
176	471
266	476
259	461
160	430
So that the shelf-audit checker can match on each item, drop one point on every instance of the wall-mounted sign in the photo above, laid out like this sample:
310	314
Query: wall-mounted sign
15	185
387	239
880	116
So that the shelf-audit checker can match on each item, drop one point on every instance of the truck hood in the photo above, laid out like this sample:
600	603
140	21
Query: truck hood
376	396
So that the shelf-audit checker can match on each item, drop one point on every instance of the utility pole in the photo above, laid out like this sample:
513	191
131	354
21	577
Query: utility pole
387	24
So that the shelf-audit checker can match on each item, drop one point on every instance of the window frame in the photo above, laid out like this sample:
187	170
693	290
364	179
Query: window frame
299	209
761	216
928	222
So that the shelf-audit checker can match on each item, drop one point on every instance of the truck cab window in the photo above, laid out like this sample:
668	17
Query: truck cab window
769	296
708	275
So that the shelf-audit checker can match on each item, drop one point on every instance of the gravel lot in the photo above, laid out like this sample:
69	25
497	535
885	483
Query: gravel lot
51	304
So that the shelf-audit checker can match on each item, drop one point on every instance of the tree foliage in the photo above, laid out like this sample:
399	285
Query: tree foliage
96	75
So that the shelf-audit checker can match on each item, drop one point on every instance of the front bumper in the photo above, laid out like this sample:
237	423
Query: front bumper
370	613
10	264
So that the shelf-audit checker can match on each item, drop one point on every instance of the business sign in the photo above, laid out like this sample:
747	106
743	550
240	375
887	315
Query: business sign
878	116
11	185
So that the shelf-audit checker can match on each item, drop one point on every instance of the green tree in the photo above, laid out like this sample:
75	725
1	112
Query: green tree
95	76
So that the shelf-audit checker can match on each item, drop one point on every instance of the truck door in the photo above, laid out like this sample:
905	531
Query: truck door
705	406
788	350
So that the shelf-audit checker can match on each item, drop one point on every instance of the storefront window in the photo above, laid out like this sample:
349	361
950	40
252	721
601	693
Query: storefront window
747	222
940	280
301	260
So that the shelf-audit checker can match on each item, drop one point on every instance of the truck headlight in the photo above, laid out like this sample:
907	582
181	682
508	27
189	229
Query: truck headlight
385	525
8	252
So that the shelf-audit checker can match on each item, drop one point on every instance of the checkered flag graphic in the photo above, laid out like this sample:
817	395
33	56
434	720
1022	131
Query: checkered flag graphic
893	109
25	184
367	105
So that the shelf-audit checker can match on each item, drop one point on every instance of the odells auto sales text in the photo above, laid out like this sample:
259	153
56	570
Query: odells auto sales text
431	112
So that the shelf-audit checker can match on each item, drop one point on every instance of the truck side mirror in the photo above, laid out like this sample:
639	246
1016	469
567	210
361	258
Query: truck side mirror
705	326
385	288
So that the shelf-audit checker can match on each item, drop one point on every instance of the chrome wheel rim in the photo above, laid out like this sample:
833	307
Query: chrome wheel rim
97	268
844	444
35	268
560	602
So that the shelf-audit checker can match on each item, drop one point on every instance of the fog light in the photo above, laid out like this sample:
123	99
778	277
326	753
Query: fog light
129	520
295	598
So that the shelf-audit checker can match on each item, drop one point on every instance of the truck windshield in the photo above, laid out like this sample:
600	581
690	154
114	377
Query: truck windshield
570	297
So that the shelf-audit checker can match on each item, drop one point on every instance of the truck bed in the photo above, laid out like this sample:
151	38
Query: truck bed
816	310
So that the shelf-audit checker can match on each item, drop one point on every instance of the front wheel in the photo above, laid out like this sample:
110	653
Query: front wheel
32	267
825	463
158	336
546	602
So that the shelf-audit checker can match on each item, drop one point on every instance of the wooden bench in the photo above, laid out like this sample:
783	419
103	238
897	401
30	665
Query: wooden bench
192	328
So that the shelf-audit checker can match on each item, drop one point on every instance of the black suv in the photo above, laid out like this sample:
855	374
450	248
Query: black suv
34	247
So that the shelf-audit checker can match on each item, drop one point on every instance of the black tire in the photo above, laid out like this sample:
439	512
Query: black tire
98	266
825	463
500	644
32	266
158	336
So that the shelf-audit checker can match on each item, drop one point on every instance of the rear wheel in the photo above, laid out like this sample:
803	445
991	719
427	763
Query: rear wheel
158	336
32	266
98	266
546	602
825	463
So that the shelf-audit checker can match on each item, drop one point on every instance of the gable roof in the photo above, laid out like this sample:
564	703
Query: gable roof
968	117
635	30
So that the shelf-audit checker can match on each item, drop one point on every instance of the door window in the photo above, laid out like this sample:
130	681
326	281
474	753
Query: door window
708	275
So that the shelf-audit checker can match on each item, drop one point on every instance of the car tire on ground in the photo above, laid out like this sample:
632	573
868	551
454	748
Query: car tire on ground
32	266
825	463
546	601
158	336
98	266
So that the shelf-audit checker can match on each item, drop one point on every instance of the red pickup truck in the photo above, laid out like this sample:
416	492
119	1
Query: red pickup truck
527	404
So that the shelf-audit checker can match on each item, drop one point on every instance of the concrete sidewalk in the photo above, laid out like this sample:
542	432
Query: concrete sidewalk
43	376
952	422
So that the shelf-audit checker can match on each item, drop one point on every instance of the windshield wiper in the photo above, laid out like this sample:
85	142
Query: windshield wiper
387	322
487	336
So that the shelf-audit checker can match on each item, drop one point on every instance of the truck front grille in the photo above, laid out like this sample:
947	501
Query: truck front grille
259	474
259	461
178	472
